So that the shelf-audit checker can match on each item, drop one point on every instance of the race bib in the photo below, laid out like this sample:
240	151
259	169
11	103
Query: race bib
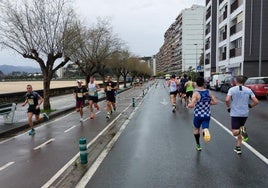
30	101
109	88
80	95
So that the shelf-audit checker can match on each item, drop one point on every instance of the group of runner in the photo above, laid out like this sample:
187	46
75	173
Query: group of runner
81	93
238	101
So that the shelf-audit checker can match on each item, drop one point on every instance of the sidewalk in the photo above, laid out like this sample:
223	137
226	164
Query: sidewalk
62	104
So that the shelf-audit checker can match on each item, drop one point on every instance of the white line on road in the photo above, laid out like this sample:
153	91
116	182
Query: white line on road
45	143
67	165
86	178
254	151
6	165
70	129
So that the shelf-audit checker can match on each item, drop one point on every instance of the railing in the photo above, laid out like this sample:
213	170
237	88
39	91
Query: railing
235	5
222	56
235	52
236	28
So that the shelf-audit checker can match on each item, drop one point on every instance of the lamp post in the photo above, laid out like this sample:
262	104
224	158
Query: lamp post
260	44
195	57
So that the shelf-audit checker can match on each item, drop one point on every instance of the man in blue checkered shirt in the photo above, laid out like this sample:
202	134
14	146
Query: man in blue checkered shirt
201	101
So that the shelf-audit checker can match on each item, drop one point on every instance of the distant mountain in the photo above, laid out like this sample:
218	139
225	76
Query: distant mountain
7	69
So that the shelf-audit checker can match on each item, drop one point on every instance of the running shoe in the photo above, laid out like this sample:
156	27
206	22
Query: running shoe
244	133
237	150
45	116
198	147
206	135
114	108
31	132
91	116
108	115
173	108
81	119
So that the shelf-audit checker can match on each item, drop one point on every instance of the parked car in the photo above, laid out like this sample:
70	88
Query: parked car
216	81
227	83
259	85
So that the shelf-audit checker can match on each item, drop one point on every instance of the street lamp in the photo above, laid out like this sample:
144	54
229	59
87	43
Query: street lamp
195	57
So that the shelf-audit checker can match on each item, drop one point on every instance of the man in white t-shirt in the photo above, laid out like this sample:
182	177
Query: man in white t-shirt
238	104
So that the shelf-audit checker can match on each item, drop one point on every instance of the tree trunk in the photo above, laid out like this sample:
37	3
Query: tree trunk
117	81
46	85
125	81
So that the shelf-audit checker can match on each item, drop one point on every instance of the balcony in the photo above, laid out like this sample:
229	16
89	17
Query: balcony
235	52
222	56
236	28
223	36
207	30
235	5
223	16
207	46
220	1
207	1
207	61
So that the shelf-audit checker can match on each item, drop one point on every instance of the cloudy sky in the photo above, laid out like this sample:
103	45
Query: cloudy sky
141	24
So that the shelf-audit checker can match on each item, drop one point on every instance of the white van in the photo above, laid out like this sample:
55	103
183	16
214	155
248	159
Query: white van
216	81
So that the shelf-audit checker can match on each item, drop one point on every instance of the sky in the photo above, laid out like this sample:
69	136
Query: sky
141	24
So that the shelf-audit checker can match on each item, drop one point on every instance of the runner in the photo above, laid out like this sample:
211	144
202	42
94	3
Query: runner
189	85
110	88
79	95
34	101
201	101
237	102
93	89
173	86
182	91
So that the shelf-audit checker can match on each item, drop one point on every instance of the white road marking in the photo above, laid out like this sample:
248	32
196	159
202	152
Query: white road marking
67	165
254	151
69	129
45	143
6	165
86	178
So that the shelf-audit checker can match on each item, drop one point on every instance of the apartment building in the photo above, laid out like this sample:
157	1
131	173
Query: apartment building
235	39
183	43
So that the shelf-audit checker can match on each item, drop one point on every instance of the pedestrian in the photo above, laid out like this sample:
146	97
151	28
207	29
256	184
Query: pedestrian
34	101
110	88
93	89
189	88
238	104
182	90
201	101
173	86
79	94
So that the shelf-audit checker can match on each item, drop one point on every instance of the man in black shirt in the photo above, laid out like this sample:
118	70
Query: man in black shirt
34	100
79	94
110	89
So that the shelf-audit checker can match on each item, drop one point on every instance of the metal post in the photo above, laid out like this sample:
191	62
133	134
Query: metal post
195	57
133	102
260	47
83	150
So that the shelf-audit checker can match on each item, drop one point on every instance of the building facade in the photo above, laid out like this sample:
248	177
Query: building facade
235	39
183	43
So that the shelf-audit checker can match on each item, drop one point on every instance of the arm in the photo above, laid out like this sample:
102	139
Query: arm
255	102
98	87
228	101
213	101
195	98
40	101
25	102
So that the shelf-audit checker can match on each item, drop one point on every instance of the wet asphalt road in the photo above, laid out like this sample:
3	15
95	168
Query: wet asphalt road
157	149
31	161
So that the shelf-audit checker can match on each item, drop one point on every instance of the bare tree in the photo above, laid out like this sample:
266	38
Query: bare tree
97	45
37	30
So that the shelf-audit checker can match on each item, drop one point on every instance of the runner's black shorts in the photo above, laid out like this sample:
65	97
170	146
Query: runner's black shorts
93	98
34	110
110	98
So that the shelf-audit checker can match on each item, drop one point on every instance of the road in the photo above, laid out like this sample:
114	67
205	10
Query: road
157	149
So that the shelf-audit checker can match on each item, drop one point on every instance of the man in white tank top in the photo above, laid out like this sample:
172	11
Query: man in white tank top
93	89
173	86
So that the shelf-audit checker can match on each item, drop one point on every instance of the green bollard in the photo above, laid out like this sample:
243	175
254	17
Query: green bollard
133	102
83	150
